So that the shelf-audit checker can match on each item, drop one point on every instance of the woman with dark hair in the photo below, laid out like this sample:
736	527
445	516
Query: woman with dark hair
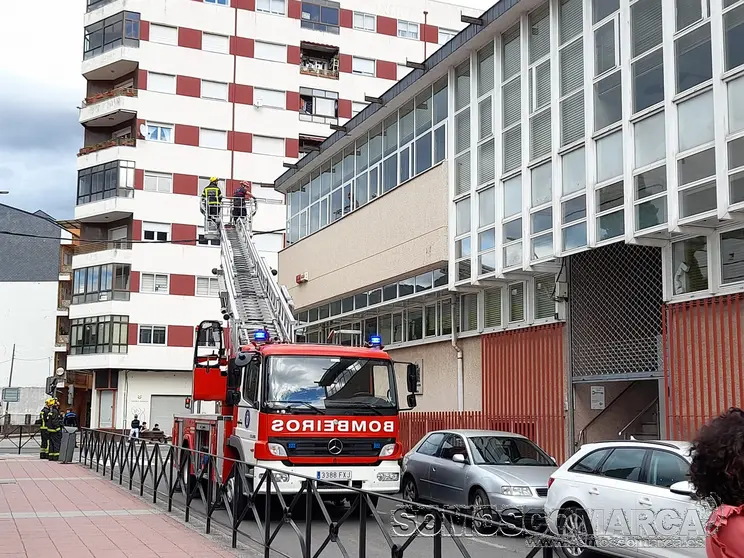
717	471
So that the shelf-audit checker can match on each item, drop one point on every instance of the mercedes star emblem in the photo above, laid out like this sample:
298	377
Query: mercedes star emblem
335	446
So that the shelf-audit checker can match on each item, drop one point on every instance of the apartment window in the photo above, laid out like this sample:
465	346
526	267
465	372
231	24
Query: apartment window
215	43
277	7
265	145
486	231
516	302
100	283
270	98
213	139
163	34
357	107
696	166
692	45
99	335
161	83
462	239
690	265
218	2
607	94
609	191
214	90
511	100
207	286
365	22
445	35
317	105
151	335
270	51
650	140
647	63
118	30
158	182
735	158
511	225
201	238
732	257
321	15
160	132
158	232
154	283
573	201
408	29
203	181
363	66
110	180
541	218
571	64
733	36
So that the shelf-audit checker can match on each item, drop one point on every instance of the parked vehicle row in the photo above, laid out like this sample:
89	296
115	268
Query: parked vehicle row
629	499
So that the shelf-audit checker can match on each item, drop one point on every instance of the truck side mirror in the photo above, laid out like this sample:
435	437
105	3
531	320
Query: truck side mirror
233	397
412	372
411	400
233	375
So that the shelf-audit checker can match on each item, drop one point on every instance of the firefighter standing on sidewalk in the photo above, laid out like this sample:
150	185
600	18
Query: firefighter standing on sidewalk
42	422
54	427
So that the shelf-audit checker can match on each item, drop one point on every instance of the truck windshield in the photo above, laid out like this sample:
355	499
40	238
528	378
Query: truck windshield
330	382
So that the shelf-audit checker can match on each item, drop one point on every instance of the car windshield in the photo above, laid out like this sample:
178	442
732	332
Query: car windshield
507	450
330	382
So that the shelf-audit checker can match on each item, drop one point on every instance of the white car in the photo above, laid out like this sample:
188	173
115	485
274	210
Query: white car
628	498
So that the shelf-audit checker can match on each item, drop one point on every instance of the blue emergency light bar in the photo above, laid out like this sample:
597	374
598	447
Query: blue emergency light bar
375	340
260	335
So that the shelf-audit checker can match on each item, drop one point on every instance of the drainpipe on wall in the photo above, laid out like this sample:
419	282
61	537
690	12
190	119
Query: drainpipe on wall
460	373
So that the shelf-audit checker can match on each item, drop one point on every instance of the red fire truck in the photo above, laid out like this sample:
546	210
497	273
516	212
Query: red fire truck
325	411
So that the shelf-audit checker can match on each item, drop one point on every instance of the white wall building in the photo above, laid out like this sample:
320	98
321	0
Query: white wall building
179	91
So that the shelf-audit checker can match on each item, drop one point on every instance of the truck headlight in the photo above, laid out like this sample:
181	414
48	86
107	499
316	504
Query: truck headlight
278	450
281	477
387	450
516	491
388	477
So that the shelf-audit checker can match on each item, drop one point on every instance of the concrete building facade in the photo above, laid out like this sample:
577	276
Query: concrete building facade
180	91
547	215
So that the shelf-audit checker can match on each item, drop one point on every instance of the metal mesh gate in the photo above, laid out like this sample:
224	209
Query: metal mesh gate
615	301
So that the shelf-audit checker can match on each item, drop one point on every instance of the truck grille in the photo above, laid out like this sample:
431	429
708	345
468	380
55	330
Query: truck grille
542	492
318	447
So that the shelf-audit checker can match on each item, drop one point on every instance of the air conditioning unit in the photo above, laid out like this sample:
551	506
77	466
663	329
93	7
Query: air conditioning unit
258	103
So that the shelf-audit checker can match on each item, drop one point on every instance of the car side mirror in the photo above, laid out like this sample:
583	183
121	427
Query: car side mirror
411	400
553	459
459	458
683	488
412	373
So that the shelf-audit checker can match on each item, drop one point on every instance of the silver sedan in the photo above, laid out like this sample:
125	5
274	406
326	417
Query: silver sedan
498	473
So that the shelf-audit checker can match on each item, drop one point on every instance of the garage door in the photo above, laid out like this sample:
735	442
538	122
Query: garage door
162	409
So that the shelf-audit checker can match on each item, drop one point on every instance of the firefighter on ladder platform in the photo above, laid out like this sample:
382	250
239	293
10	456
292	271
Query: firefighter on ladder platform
211	199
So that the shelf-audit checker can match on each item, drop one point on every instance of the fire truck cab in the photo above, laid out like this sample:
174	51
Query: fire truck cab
328	412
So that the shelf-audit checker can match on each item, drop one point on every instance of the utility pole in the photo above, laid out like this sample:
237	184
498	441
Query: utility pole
10	378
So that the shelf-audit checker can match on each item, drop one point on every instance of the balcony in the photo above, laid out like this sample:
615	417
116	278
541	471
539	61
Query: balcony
113	205
112	47
319	60
101	253
95	4
106	151
115	142
109	108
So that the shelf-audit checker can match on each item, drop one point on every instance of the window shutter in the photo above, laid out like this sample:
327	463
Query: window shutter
462	86
469	313
486	162
571	19
511	56
161	283
462	131
445	318
485	118
485	70
462	173
148	283
512	148
572	118
539	33
540	134
540	86
645	25
492	308
688	12
544	303
516	302
572	67
202	286
512	102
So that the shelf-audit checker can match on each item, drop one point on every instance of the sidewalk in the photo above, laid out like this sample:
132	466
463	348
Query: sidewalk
55	510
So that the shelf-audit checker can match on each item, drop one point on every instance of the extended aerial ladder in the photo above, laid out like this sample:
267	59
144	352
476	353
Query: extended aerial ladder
251	298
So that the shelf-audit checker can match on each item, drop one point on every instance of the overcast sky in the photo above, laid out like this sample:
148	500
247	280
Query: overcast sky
40	86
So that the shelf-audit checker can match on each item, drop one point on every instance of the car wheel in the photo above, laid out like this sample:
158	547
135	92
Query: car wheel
576	531
410	491
481	511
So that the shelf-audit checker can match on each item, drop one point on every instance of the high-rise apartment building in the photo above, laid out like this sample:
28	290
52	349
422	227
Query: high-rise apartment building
179	91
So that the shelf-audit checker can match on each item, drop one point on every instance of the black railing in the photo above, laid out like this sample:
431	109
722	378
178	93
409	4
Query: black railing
18	436
167	471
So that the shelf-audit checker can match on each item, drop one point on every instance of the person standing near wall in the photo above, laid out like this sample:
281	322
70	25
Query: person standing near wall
42	422
54	427
135	428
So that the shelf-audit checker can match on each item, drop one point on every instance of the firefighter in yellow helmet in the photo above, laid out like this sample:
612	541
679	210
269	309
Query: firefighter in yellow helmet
54	428
212	198
42	422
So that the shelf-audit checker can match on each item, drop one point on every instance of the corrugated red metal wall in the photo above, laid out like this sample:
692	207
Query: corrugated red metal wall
703	361
523	378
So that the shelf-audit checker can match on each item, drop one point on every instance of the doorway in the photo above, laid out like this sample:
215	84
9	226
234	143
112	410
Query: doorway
106	408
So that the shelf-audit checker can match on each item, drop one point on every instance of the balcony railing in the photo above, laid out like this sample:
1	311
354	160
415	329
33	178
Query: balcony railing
63	339
64	304
121	142
65	268
91	247
95	4
110	94
319	71
105	195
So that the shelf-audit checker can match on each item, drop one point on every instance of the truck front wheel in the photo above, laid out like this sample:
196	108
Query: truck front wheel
230	493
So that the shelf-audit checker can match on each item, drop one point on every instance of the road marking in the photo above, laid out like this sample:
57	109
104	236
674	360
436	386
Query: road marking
488	543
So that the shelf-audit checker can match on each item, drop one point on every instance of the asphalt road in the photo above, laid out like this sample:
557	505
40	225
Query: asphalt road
377	538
